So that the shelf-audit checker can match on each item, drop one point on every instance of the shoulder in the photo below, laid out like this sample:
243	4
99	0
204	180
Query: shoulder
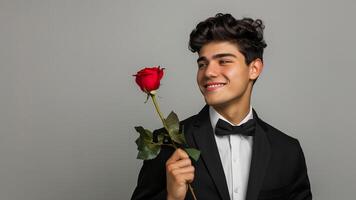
286	163
287	157
284	143
189	121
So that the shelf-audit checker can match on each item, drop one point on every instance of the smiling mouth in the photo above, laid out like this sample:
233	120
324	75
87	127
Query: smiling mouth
214	86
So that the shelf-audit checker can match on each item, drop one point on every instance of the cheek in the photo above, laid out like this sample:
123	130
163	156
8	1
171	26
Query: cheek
199	76
233	75
237	77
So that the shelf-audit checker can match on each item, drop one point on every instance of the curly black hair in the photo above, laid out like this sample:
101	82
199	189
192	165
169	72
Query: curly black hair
246	33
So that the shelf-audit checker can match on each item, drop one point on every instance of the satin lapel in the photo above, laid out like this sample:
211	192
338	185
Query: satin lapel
261	152
204	138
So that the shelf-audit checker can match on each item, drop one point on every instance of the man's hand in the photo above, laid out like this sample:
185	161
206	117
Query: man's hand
180	172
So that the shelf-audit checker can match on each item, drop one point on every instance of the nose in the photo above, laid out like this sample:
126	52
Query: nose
211	70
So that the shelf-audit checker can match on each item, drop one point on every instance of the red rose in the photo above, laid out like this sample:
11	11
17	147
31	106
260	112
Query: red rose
149	78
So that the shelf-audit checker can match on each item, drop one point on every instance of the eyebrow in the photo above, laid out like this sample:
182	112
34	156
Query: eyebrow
220	55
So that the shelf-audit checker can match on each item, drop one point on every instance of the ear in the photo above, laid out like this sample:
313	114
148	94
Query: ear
256	68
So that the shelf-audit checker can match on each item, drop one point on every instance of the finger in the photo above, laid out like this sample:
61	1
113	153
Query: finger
188	177
184	170
178	164
182	163
177	155
183	178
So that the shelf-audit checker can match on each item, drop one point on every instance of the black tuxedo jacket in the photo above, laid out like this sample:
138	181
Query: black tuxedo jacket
277	171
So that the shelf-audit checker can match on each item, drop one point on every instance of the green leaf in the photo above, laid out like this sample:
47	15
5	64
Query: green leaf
172	123
193	153
147	149
160	136
149	152
145	136
182	135
148	96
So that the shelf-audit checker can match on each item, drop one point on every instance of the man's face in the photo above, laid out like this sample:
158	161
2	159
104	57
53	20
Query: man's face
223	77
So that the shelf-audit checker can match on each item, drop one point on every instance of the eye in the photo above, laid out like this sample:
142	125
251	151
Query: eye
223	62
201	65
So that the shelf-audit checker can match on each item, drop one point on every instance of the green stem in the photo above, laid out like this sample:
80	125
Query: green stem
160	115
157	109
163	145
192	191
166	127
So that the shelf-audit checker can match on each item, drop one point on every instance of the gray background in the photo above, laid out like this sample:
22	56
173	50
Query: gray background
69	103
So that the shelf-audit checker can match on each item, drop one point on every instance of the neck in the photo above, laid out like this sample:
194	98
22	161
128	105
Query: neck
235	111
235	115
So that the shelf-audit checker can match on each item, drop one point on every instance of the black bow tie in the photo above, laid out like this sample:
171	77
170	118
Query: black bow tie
224	128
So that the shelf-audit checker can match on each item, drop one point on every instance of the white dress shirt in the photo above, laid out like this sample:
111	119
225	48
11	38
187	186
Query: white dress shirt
235	154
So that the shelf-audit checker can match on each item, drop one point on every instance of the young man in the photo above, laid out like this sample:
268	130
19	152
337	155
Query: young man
242	157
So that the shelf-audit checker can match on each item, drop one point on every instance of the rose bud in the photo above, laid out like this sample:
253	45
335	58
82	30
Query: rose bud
149	79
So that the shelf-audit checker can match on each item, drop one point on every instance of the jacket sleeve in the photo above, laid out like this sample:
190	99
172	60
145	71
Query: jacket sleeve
301	187
151	183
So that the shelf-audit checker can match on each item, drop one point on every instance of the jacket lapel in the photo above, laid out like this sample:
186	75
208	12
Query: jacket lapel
204	138
261	152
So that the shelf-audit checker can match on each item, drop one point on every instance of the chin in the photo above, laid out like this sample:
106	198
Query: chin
214	102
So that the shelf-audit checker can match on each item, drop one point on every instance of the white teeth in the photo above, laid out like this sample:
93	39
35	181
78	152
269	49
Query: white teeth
215	85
